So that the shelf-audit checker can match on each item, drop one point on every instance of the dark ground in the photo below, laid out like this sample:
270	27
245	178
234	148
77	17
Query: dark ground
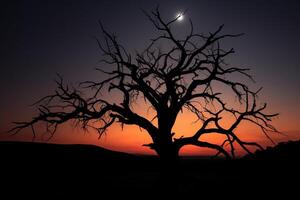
40	170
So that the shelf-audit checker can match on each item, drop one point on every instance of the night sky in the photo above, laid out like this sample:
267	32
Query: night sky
42	38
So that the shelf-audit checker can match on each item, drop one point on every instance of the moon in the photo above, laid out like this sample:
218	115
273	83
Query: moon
179	16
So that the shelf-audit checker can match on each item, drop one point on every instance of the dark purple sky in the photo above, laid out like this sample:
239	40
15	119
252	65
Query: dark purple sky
42	38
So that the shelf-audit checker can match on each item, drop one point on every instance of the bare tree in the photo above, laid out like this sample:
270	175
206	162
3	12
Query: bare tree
184	76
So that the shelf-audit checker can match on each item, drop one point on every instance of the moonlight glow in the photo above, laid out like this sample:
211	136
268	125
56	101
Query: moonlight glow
179	16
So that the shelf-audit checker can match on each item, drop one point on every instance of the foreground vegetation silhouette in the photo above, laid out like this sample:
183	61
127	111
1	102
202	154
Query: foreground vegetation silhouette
172	75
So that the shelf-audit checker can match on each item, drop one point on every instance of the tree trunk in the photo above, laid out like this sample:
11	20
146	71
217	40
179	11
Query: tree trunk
168	154
170	179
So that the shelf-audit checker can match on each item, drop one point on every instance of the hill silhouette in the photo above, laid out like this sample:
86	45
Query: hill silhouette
58	152
57	170
288	151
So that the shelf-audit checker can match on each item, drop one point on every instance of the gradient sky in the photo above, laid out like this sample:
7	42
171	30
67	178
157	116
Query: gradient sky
42	38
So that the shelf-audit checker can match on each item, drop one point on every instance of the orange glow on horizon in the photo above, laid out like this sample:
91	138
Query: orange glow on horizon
131	138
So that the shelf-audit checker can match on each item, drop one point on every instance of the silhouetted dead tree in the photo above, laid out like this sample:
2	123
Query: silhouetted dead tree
182	77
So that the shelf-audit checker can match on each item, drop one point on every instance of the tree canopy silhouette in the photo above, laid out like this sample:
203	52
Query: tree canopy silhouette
188	75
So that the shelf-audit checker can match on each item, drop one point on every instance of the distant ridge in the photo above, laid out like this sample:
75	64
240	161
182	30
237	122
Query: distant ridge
283	151
38	150
33	151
